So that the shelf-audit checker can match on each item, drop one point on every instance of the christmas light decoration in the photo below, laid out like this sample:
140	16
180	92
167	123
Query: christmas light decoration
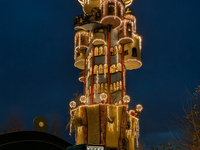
102	84
72	104
139	107
126	99
137	132
83	99
103	97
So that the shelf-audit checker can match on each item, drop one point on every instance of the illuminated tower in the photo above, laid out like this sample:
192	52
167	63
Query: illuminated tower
106	45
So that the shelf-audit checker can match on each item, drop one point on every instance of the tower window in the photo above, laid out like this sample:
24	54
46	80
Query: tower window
125	52
134	52
129	27
111	8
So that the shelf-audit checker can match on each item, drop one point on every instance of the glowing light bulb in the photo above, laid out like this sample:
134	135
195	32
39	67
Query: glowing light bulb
72	104
103	97
126	99
139	107
83	99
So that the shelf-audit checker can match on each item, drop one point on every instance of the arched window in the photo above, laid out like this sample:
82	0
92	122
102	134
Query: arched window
105	68
134	52
118	87
111	88
96	51
111	8
100	69
119	67
113	69
102	88
111	51
106	88
114	87
90	71
99	88
101	50
120	84
95	69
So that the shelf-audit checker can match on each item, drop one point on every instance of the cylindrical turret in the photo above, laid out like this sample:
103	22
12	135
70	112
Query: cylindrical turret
132	53
112	12
81	41
106	45
128	28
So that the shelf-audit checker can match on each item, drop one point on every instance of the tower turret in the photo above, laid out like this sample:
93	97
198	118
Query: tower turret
106	45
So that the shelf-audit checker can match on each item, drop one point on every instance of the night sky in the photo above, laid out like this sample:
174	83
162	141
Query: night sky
38	77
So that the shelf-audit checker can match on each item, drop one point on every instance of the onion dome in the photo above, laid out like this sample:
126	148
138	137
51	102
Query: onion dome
129	15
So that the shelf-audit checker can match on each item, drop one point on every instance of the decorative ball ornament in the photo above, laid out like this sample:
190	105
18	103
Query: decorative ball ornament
72	104
103	97
83	99
126	99
139	107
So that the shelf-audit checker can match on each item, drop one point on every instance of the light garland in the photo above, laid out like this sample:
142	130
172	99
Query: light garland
125	38
99	40
106	61
82	46
71	121
140	40
112	16
137	132
78	35
78	61
110	125
81	79
97	78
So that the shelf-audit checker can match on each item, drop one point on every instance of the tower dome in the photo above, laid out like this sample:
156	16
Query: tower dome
128	28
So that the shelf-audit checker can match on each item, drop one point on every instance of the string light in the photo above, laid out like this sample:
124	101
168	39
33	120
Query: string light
110	125
125	38
97	79
112	16
137	132
105	68
99	40
81	60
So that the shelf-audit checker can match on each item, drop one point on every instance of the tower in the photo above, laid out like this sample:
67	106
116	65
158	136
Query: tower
106	45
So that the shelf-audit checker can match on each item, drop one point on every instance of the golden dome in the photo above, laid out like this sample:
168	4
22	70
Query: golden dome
128	12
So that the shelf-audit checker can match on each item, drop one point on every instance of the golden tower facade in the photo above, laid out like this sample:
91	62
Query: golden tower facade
105	46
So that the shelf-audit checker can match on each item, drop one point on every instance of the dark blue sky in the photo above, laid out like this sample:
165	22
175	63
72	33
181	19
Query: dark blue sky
37	73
